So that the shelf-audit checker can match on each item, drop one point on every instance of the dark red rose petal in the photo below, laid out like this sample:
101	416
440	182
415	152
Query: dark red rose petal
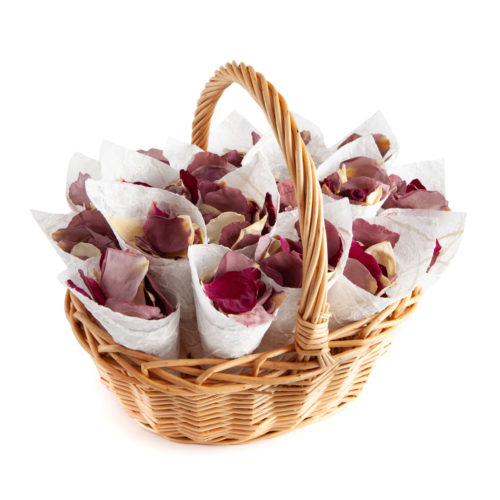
234	292
285	268
191	184
357	252
415	185
435	255
166	235
234	157
334	244
370	234
93	287
209	166
160	300
231	232
71	284
229	199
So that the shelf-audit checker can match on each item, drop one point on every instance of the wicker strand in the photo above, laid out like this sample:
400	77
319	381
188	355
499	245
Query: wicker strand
311	330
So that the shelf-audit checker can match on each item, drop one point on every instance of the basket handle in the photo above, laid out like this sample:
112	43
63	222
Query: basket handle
311	333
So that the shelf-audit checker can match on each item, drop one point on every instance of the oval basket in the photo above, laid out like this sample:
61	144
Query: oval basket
202	400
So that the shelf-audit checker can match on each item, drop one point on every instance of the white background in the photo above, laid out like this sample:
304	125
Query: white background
74	73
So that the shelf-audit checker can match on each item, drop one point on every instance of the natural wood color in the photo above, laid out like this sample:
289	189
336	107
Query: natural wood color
221	401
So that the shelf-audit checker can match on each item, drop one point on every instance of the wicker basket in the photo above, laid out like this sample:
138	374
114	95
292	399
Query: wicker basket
198	400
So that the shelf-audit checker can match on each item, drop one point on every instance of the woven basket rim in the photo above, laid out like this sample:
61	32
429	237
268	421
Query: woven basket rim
208	375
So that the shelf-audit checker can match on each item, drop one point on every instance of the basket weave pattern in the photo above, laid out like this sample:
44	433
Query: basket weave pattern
219	401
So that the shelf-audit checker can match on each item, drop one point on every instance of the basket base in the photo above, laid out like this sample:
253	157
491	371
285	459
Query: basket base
202	401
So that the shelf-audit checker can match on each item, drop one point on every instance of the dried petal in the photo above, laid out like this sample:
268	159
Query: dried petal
370	234
121	274
217	224
358	274
234	292
233	261
136	310
77	192
285	268
209	166
191	184
287	195
94	288
229	199
157	154
234	157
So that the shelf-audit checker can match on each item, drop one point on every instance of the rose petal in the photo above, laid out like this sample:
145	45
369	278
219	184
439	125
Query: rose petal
157	154
135	310
287	195
370	234
93	287
77	192
234	157
255	138
334	244
71	284
357	252
121	274
209	166
167	236
358	274
234	292
269	209
230	233
383	254
435	255
285	268
234	261
229	199
191	184
257	316
217	224
419	199
160	300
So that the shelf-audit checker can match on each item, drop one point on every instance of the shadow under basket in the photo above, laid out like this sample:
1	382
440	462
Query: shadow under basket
227	401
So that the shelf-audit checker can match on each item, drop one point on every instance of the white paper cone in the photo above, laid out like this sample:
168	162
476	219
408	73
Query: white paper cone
430	173
221	335
449	231
49	223
234	132
377	124
116	199
120	199
413	253
180	154
159	337
364	146
118	163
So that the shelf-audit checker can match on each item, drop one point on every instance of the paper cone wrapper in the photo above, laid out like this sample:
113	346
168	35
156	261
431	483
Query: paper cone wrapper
221	335
413	254
159	337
